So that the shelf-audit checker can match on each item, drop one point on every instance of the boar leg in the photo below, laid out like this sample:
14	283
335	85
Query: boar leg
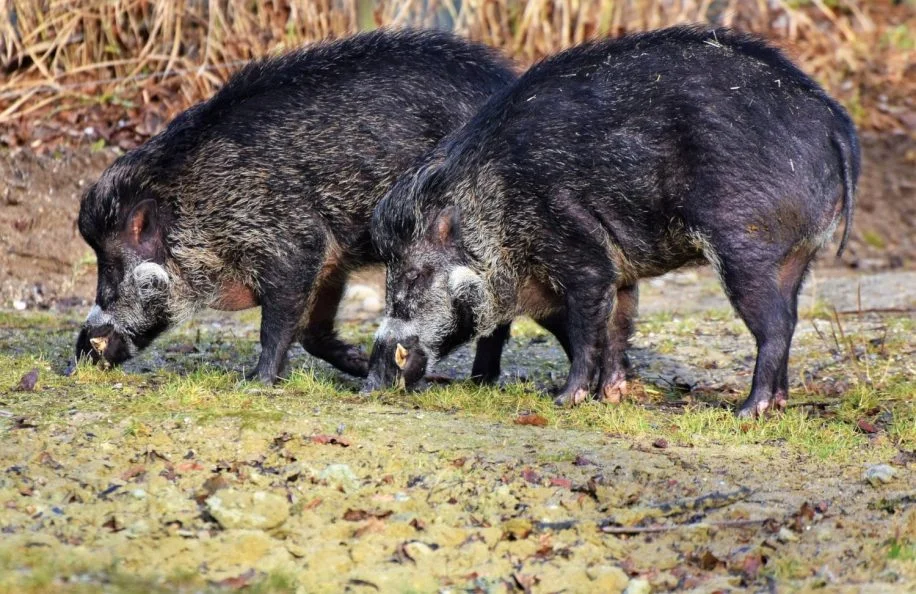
486	367
612	383
589	304
766	297
280	315
319	338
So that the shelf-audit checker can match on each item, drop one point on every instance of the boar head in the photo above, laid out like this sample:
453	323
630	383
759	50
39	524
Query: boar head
124	223
432	296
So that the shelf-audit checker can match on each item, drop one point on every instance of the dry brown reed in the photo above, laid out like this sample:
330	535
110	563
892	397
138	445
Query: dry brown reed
63	59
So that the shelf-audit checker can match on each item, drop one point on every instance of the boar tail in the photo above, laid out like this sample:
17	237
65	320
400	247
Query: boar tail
849	165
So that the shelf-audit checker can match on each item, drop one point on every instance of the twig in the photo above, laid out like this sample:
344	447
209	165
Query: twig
877	310
670	527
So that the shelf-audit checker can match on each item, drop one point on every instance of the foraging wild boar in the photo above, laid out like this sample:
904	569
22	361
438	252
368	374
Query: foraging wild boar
263	194
610	162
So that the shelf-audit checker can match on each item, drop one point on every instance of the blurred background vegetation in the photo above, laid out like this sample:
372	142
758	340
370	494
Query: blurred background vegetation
115	71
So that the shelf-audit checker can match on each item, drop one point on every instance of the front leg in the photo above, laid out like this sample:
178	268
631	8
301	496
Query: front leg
486	368
588	308
280	315
287	286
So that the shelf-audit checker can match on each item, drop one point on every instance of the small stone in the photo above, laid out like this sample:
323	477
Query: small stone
638	586
239	509
879	474
19	305
607	578
340	475
785	535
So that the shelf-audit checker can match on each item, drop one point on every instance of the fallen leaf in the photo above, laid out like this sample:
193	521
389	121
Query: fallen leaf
331	439
22	423
152	455
750	567
358	515
525	582
866	427
373	524
531	476
28	381
803	517
313	503
531	419
113	524
561	482
45	459
459	462
238	582
211	486
134	471
281	439
707	561
187	466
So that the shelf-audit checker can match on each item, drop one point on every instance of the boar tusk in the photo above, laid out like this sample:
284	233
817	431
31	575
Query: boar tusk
99	343
400	356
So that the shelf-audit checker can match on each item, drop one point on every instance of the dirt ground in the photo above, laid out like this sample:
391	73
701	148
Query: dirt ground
174	475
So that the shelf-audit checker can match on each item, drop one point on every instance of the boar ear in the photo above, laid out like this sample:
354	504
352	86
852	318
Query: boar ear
446	226
142	230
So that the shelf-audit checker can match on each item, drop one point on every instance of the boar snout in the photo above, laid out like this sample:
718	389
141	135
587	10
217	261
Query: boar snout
395	362
101	344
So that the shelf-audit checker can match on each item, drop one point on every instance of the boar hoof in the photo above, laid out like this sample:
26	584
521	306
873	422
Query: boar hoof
612	393
757	409
577	397
780	400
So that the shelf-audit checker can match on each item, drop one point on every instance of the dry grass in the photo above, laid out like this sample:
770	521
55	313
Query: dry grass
159	57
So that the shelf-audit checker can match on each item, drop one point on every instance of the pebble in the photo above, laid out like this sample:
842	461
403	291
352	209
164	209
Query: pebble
638	586
243	510
341	475
879	474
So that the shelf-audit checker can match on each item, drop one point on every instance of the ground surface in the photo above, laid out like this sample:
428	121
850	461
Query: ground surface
173	474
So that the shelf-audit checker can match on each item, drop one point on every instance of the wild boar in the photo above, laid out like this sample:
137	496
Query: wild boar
607	163
263	194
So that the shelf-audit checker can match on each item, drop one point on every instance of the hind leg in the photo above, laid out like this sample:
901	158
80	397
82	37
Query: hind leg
765	294
319	338
791	273
612	382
